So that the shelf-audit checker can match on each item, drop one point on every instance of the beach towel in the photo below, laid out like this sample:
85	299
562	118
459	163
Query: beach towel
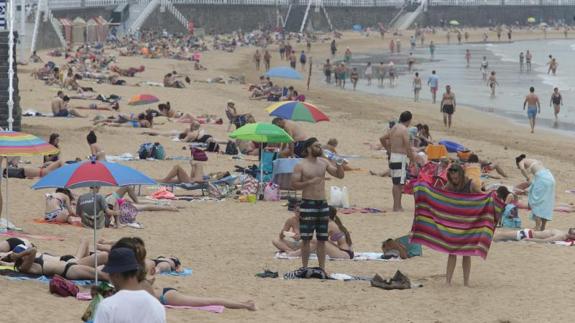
358	256
43	221
184	273
122	157
11	274
15	234
86	296
542	195
455	223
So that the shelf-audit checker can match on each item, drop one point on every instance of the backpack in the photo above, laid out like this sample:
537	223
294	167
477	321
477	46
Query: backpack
231	148
213	147
198	154
151	150
63	287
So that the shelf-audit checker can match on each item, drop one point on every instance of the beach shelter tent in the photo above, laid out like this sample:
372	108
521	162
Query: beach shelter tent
78	30
92	31
67	29
103	28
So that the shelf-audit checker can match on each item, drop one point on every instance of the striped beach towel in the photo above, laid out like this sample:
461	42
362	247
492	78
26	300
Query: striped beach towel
454	223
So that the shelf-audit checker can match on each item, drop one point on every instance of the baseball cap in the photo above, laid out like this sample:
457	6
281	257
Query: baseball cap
121	260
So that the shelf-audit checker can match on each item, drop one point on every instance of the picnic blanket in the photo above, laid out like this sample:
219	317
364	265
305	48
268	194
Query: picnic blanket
358	256
455	223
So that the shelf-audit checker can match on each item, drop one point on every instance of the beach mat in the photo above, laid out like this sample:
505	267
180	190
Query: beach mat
358	256
185	273
14	234
11	274
42	221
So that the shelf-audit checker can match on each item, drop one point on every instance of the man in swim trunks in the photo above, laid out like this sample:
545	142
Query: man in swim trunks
533	107
544	236
299	137
433	82
397	142
309	176
447	106
60	107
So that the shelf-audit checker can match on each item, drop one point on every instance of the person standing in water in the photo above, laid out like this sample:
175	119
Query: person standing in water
467	57
492	82
557	102
381	73
447	106
528	58
483	68
368	73
521	60
416	87
533	107
433	82
309	176
410	62
432	49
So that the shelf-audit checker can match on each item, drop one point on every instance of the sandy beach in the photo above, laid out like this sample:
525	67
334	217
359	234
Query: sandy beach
226	243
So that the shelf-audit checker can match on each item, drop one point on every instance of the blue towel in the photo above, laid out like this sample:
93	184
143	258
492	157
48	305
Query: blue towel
542	195
186	272
46	280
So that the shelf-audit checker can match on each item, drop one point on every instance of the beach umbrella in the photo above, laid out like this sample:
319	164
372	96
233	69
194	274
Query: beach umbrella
454	23
297	111
15	144
531	20
143	99
284	72
93	173
262	133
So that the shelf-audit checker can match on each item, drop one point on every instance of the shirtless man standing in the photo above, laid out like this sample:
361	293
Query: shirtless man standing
533	107
544	236
528	58
299	137
397	142
309	176
447	106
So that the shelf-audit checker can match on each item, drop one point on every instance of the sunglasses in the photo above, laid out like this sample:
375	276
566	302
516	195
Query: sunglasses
453	170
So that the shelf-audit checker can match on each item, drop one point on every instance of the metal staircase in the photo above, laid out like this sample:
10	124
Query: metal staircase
408	18
139	13
177	14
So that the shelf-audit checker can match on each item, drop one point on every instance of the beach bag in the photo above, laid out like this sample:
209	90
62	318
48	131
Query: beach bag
158	151
271	192
249	186
335	196
151	150
199	155
128	213
213	147
63	287
231	148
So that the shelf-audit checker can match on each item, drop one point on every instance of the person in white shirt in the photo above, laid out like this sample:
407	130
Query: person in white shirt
130	304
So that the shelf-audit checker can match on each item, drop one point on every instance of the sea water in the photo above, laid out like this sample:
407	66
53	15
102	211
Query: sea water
471	90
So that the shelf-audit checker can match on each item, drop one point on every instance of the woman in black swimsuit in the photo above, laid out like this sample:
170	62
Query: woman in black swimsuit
167	265
557	102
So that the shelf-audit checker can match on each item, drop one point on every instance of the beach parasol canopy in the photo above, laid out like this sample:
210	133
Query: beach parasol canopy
531	20
14	144
284	72
143	99
261	132
454	23
93	174
297	111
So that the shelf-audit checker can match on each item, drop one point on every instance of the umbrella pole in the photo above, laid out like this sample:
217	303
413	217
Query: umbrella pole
2	204
261	188
95	230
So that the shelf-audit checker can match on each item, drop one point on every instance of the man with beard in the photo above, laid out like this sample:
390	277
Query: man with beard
309	176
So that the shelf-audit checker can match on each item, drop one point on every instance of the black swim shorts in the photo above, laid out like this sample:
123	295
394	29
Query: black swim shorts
448	108
314	216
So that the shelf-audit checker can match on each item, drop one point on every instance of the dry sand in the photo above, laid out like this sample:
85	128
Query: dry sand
227	242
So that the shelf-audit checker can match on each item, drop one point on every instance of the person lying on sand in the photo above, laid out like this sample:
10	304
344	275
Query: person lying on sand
59	207
339	245
289	237
10	244
129	72
31	172
115	200
142	120
77	266
178	175
171	296
545	236
114	106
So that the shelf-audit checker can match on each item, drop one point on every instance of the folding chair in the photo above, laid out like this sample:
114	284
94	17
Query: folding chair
282	172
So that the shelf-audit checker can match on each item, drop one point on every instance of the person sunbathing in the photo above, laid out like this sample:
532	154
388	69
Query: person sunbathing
142	120
167	265
116	199
10	244
60	107
195	134
78	266
289	237
545	236
171	81
129	72
31	172
171	296
340	244
178	175
59	207
113	106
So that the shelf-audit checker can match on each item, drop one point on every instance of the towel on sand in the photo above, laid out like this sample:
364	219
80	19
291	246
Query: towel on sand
358	256
11	274
43	221
454	223
185	272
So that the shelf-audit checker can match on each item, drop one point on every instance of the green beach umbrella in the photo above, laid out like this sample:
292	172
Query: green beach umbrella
531	20
454	23
262	132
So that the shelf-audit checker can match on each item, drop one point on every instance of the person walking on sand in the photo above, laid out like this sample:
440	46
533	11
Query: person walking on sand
416	87
302	60
410	62
333	48
533	107
391	46
557	102
354	77
528	58
397	142
467	57
432	49
267	59
492	83
309	176
368	73
327	69
433	82
521	60
257	59
447	106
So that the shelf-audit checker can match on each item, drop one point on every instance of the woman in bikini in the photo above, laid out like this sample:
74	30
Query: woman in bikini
78	266
492	83
95	150
54	140
10	244
31	172
59	206
179	175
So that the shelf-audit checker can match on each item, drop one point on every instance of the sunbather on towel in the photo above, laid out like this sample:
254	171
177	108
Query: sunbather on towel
31	172
289	237
115	200
10	244
170	296
78	266
178	174
544	236
59	207
114	106
340	245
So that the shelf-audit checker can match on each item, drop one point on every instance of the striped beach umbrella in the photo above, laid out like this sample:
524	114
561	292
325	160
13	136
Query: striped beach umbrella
297	111
143	99
21	144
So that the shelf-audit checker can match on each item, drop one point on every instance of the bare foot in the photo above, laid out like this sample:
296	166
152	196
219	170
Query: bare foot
250	305
398	209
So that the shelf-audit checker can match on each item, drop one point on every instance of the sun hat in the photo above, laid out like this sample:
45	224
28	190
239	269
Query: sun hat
121	260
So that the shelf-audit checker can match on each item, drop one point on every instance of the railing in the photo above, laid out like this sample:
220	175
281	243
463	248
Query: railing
57	27
470	3
152	5
177	14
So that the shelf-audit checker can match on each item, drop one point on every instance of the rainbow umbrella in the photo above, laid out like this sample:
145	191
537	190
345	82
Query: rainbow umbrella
13	144
297	111
143	99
